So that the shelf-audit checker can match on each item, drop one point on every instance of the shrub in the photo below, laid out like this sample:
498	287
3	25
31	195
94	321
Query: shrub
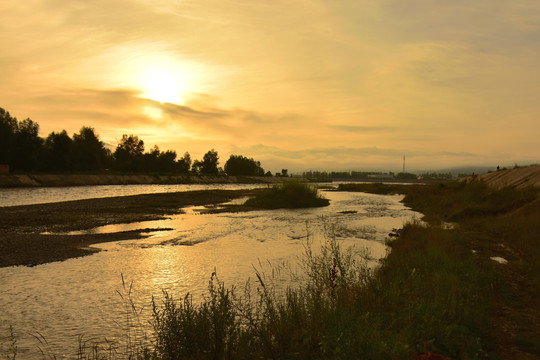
289	195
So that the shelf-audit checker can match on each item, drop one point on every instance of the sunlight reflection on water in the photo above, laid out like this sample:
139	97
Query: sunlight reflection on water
78	297
42	195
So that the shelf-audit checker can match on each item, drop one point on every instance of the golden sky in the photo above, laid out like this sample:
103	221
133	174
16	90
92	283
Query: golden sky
304	84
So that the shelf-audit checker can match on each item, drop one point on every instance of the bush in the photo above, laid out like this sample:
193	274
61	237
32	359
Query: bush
289	195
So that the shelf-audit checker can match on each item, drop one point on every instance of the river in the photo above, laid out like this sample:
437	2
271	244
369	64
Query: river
80	297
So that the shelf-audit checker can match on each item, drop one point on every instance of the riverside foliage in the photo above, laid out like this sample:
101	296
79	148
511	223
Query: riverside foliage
24	150
291	195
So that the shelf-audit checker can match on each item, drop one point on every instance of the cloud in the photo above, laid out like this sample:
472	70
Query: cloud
311	75
364	129
340	157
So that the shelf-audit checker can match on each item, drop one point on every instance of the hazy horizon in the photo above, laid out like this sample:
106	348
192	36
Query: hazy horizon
307	85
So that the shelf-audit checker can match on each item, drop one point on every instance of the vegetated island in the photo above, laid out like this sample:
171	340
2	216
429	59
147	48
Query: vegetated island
289	195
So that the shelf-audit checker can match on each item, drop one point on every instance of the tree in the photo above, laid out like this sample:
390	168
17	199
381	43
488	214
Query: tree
209	164
88	151
8	128
184	164
197	166
58	150
129	152
166	161
27	145
238	165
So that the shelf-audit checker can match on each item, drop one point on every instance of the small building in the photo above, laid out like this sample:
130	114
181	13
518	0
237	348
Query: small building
4	169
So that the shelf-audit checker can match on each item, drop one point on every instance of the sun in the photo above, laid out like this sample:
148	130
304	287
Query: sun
167	84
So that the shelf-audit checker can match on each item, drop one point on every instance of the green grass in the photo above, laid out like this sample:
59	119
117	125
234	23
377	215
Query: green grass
289	195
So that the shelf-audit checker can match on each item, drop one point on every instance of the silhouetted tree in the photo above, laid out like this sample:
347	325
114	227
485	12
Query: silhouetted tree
150	160
58	150
128	153
28	146
8	128
210	163
88	151
184	164
165	161
238	165
197	166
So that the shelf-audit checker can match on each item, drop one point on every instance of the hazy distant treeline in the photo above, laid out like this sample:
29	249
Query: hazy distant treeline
346	174
24	150
374	175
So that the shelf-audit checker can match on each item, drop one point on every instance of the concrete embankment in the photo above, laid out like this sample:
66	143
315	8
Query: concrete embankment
519	177
37	180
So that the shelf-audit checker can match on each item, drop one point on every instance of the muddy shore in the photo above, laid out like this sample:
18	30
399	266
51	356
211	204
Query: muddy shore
35	234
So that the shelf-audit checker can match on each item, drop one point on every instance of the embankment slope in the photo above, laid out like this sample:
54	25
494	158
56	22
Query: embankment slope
519	177
36	180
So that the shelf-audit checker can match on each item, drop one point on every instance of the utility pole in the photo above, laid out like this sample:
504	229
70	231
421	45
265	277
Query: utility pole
404	164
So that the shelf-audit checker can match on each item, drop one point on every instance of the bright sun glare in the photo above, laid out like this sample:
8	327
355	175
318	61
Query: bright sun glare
164	85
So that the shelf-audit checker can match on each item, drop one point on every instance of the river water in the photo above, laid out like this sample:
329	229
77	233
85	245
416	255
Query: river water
42	195
80	297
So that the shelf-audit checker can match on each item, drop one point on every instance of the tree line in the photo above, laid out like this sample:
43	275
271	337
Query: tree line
24	150
345	174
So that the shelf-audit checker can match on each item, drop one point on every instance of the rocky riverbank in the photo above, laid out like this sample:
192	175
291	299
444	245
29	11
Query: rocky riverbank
37	234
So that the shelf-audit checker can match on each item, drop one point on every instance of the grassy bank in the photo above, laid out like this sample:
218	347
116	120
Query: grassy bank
491	224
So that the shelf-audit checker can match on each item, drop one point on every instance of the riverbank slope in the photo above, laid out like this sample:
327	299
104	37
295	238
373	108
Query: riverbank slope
47	180
518	177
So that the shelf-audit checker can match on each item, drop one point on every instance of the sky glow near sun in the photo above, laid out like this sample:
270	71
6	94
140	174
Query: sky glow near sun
164	84
319	84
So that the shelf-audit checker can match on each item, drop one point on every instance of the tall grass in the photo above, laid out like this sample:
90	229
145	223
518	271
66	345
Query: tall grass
461	201
429	290
291	194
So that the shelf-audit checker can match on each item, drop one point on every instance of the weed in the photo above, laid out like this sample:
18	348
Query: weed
291	194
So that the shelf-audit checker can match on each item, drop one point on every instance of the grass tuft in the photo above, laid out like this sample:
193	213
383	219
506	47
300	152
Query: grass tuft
290	195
